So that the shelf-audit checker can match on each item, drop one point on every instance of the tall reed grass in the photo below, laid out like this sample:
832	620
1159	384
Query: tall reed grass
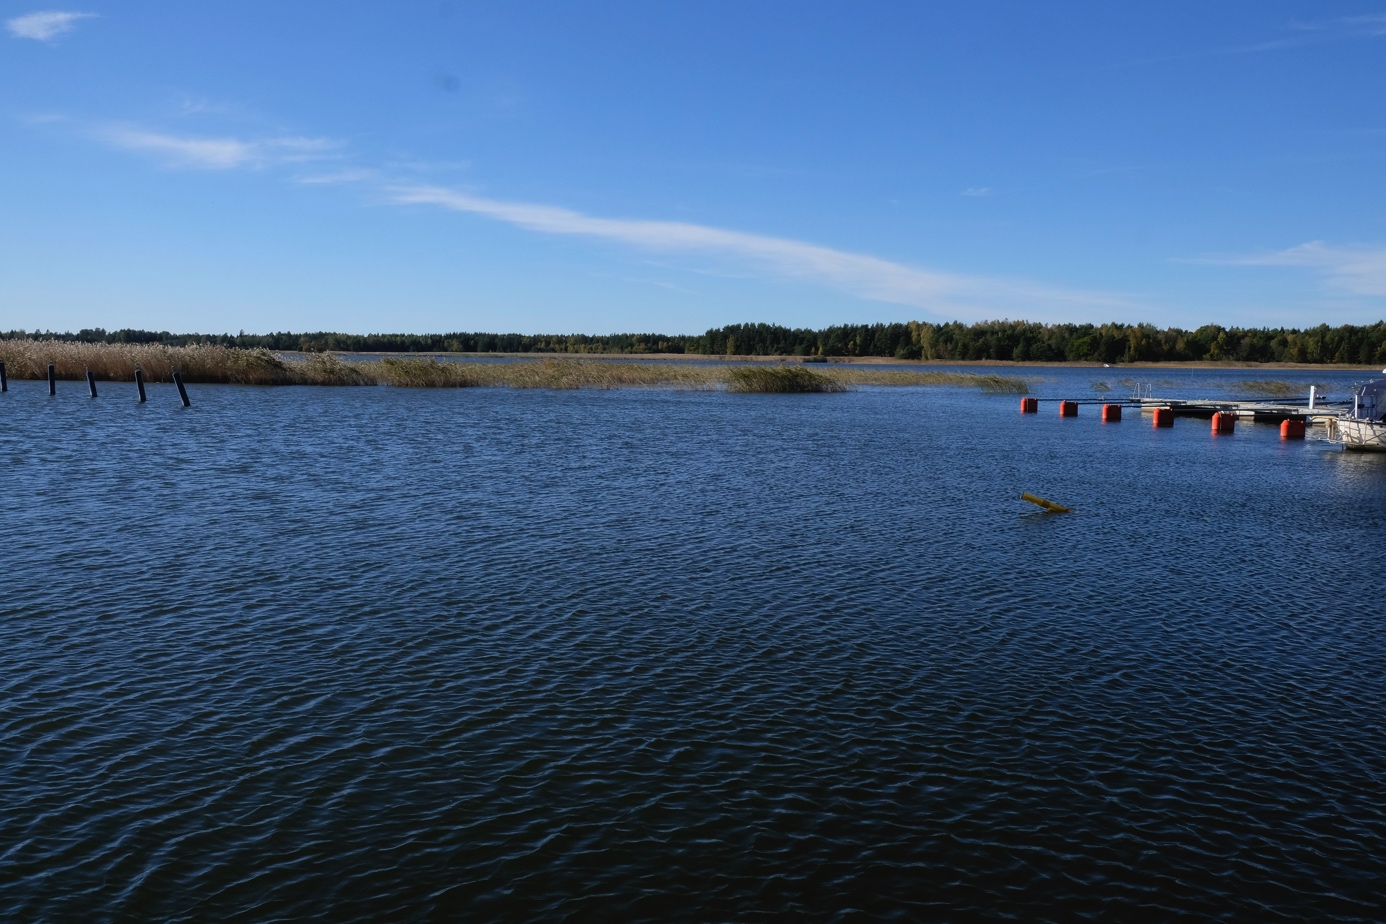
427	373
988	382
228	365
781	379
542	373
1273	388
204	363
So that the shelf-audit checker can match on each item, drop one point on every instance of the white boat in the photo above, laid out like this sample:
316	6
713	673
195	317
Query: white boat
1364	429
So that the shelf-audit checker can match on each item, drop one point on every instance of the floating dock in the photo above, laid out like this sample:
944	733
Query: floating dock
1294	417
1255	411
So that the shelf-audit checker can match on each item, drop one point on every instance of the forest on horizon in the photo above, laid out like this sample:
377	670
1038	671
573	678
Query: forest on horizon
1017	341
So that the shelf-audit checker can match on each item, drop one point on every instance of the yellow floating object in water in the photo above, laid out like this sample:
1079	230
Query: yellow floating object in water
1046	504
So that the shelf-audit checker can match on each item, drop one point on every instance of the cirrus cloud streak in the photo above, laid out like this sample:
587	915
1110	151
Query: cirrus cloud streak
857	274
1356	268
785	259
219	153
45	26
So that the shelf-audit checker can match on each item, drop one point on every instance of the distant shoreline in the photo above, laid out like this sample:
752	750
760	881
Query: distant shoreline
214	363
951	343
852	360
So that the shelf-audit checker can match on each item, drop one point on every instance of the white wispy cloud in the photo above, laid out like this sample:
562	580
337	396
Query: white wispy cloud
977	192
219	153
857	274
1302	34
336	177
1293	35
1372	25
43	118
1359	269
45	26
1345	28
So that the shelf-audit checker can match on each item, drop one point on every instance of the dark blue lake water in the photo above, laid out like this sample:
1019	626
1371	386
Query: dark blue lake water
382	654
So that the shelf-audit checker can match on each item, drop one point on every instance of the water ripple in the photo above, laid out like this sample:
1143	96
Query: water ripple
379	654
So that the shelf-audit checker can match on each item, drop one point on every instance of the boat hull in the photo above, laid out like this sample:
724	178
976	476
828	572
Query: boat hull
1358	435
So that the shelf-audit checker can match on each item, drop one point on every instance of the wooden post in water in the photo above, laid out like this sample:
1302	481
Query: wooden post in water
91	383
139	383
52	381
182	392
4	379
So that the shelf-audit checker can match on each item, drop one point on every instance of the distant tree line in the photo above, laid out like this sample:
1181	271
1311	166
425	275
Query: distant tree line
1020	341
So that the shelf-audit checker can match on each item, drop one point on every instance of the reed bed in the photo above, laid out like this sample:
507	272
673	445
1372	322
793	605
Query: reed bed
327	369
211	364
427	373
994	384
586	373
542	373
780	380
1273	388
202	363
570	373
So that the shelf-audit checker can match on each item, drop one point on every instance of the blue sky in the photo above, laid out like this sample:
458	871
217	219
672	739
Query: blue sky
670	166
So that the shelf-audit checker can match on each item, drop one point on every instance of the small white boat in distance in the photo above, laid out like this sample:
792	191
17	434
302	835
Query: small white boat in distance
1364	429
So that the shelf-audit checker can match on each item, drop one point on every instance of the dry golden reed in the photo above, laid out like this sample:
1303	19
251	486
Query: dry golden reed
1274	388
780	379
1000	384
543	373
208	363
